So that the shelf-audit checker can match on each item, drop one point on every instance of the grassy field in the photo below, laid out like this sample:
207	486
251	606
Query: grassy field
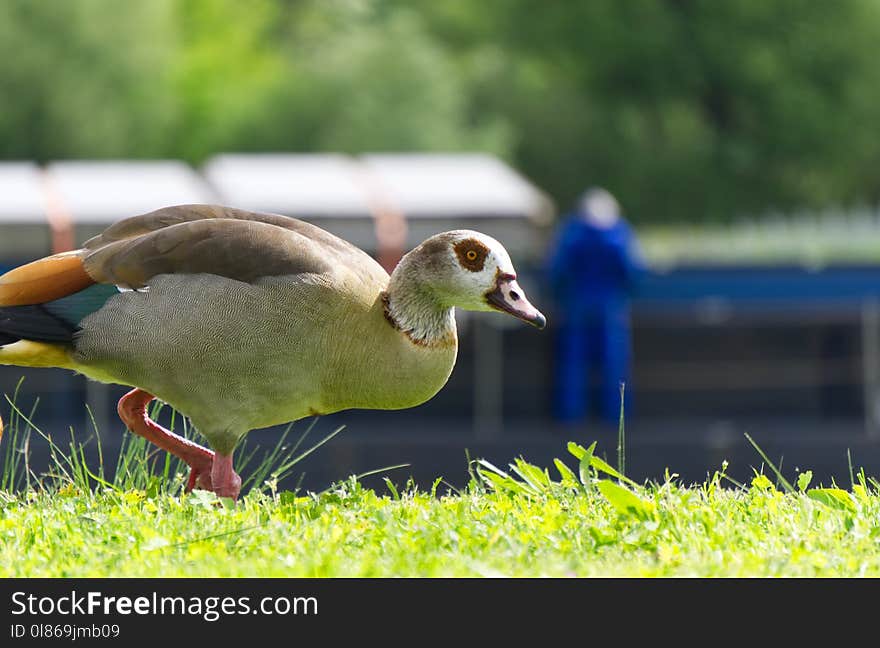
811	240
587	520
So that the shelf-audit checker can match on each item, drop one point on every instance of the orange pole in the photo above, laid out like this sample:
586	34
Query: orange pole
389	221
59	217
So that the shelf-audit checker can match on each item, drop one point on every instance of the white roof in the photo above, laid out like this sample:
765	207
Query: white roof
432	186
292	184
106	191
420	185
456	185
21	193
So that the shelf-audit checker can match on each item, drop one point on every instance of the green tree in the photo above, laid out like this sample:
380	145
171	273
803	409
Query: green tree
687	110
358	78
227	67
84	78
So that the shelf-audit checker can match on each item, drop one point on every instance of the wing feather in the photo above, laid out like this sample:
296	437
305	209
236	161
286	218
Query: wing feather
217	240
186	239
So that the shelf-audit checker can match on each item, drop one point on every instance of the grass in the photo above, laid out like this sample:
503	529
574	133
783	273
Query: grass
580	518
811	240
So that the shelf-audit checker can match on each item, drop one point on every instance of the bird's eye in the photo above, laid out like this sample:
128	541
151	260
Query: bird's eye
471	254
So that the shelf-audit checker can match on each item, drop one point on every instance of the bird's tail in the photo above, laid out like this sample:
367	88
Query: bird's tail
27	296
33	331
27	353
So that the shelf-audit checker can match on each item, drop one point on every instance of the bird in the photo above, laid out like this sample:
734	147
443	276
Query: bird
243	320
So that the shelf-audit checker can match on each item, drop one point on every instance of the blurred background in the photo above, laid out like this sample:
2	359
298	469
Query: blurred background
740	141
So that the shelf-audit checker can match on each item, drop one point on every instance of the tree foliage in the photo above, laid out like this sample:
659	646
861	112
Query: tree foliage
687	110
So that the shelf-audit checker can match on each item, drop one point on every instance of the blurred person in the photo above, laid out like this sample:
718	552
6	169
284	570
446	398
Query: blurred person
592	267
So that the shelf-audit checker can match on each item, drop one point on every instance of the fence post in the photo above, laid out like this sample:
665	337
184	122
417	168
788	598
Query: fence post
488	379
871	365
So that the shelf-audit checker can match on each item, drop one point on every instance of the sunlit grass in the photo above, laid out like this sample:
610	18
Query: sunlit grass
580	518
139	465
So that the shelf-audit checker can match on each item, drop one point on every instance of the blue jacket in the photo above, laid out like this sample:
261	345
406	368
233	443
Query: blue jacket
591	267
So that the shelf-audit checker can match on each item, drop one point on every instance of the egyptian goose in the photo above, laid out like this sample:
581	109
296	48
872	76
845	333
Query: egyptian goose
244	320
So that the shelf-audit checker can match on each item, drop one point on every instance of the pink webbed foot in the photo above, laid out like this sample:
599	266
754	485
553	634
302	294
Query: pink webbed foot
225	481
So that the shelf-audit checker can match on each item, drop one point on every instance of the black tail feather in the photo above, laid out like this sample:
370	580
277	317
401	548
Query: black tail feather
7	339
33	323
54	321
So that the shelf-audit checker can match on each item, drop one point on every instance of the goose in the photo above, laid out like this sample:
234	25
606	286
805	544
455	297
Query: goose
243	320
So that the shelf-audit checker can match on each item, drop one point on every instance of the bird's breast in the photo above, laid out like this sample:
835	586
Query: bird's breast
375	366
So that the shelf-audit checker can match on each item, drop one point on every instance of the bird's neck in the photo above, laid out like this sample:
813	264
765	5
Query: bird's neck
412	308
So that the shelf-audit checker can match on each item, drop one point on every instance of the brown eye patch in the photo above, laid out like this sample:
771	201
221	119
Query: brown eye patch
471	254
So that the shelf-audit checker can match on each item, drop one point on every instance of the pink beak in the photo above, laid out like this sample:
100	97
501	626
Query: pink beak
510	298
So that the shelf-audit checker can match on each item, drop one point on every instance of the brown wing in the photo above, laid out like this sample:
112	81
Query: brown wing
169	216
239	250
209	239
217	240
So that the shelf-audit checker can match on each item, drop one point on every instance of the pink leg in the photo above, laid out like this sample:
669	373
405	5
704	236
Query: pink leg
225	480
132	410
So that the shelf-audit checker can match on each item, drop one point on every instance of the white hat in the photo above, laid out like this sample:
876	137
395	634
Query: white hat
598	207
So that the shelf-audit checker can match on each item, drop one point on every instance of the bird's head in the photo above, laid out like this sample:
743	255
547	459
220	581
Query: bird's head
474	272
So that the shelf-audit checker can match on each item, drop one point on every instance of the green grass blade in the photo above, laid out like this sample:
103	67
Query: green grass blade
536	478
804	479
624	500
603	466
849	464
621	436
565	473
835	498
785	483
395	495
